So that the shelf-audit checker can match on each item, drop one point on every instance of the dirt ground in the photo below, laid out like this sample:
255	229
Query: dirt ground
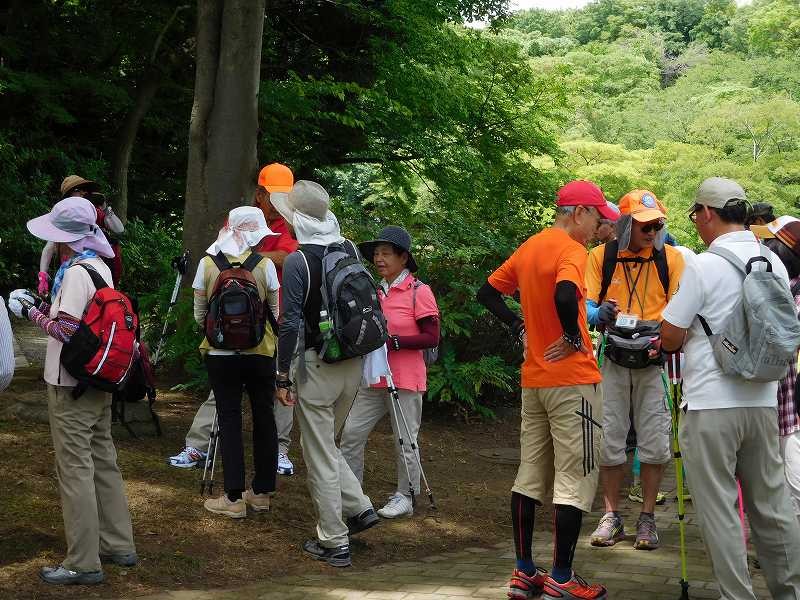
181	546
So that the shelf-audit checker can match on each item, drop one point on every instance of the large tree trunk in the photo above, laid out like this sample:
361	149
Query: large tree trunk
224	122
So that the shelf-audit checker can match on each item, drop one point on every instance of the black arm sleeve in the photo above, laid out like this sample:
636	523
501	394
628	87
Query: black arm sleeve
492	299
567	306
295	282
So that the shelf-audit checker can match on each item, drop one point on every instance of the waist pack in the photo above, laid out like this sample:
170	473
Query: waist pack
350	297
236	318
634	348
759	339
102	351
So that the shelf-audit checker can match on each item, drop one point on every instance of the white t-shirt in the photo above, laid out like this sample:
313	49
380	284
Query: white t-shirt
264	271
710	287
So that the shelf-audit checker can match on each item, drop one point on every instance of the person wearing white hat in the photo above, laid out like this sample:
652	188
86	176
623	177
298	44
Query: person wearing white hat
229	371
97	522
729	429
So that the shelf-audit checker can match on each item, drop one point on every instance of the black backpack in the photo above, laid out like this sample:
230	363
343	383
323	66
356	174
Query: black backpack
236	318
610	259
350	297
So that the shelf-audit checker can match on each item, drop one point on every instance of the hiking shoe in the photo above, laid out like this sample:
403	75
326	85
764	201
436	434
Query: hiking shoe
575	589
256	502
609	531
646	533
121	560
187	458
635	495
398	505
335	557
523	586
362	521
285	466
62	576
223	506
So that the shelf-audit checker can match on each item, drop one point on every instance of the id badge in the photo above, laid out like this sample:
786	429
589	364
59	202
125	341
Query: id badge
626	321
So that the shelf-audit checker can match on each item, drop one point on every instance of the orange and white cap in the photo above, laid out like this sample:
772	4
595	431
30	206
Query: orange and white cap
642	205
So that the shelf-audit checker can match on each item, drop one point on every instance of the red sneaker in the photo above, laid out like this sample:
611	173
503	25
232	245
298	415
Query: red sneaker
575	589
523	586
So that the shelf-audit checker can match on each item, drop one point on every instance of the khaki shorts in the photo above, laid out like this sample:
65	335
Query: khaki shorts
560	444
644	389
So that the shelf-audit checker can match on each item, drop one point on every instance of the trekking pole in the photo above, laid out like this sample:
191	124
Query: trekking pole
180	264
673	401
395	401
213	442
414	449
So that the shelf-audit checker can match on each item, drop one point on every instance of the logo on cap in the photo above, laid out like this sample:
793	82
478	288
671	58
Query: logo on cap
648	201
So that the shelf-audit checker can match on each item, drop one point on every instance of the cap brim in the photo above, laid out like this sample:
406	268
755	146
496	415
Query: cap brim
279	188
607	212
280	201
44	229
762	231
651	214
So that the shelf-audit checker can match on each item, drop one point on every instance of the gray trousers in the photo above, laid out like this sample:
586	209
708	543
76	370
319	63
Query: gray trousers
323	402
370	407
199	432
96	516
717	446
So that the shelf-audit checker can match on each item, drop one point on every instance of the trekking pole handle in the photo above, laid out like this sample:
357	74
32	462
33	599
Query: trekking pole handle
181	263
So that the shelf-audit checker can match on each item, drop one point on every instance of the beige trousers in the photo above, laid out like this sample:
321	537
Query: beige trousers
200	431
717	446
370	407
324	400
96	516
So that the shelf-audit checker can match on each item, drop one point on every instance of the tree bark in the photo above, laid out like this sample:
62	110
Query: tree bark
224	121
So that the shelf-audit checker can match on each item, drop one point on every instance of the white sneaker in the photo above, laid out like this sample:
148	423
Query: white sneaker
187	458
285	466
397	506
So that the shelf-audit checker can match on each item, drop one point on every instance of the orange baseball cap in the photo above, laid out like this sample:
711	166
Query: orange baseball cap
276	178
642	205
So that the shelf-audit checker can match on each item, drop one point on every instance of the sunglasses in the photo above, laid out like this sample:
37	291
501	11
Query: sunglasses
650	227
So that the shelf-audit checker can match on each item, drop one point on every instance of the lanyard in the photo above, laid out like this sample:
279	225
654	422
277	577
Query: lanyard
632	289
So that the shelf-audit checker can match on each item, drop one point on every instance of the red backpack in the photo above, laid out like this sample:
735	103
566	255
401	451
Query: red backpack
236	317
102	351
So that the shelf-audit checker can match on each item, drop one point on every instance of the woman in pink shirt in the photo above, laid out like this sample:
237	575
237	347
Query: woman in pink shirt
413	321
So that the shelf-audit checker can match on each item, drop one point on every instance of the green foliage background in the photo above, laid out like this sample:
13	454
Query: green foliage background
407	116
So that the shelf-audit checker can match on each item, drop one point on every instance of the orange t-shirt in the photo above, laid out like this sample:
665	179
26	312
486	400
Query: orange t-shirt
534	269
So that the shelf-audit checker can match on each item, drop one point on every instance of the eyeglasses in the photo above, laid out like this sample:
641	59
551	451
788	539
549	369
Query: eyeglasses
693	213
650	227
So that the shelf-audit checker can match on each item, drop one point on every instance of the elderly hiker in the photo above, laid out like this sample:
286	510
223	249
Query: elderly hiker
782	236
272	179
729	428
413	320
562	401
233	279
97	523
607	230
77	187
632	279
325	390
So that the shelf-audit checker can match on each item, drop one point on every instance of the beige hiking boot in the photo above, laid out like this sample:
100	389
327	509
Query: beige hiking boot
223	506
257	502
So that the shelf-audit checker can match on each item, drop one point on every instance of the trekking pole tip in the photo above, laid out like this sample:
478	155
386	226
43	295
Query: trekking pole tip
684	590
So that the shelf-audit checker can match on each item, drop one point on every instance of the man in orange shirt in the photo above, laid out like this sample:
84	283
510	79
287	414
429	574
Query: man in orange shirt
562	403
275	178
642	275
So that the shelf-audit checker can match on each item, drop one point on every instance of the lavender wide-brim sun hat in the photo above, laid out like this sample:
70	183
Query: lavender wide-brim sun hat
72	221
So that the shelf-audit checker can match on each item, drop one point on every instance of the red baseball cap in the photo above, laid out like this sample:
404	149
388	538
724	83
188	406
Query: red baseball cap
586	193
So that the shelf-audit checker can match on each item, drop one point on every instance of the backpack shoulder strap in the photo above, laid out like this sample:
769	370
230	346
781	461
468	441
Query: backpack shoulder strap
220	261
97	280
356	254
730	257
308	275
662	267
609	265
251	262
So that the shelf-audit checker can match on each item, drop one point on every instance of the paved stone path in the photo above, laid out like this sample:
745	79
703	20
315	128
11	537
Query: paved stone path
483	572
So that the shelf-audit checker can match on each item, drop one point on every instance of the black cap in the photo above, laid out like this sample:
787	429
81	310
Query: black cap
394	235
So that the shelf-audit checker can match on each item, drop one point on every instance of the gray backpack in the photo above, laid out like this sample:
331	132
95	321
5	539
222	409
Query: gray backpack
759	340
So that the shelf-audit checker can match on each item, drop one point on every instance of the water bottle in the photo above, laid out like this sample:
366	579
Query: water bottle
332	349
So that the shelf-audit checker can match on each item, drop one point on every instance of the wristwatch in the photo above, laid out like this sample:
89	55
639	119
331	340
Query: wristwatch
283	384
576	341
